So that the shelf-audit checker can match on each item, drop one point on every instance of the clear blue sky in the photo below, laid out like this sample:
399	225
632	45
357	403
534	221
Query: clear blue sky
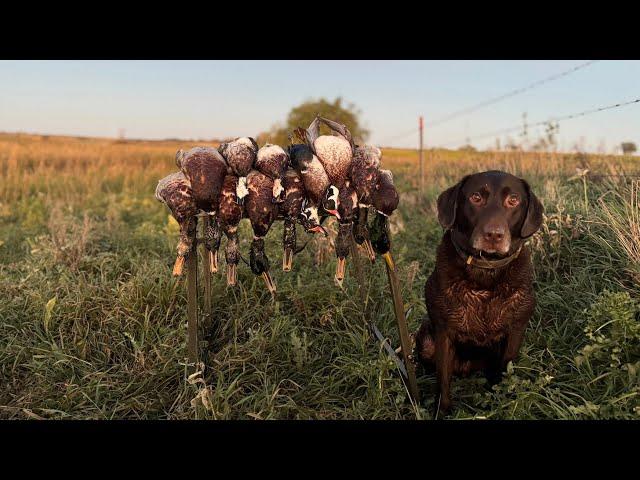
209	99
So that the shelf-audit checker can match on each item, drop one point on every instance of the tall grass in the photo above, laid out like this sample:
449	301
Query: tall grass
92	325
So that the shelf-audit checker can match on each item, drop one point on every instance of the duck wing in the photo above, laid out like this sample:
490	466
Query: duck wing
313	131
338	128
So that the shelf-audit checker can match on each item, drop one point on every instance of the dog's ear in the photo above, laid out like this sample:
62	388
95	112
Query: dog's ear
533	220
448	204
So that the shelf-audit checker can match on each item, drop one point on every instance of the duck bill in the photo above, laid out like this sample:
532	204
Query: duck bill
389	260
334	213
369	249
319	229
340	269
178	266
287	259
213	261
269	283
232	276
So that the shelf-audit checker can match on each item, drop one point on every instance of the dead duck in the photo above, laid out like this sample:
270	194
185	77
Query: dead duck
334	152
314	177
205	168
385	197
230	213
291	211
261	212
364	176
347	208
385	200
365	172
212	238
361	232
379	234
175	192
273	161
240	155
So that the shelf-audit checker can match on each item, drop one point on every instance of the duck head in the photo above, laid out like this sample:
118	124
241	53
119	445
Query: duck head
308	218
330	202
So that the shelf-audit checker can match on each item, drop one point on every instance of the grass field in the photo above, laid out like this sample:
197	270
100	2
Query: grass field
93	326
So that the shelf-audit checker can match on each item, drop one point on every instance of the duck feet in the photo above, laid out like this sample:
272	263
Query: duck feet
178	266
369	249
232	275
287	259
213	261
271	286
340	269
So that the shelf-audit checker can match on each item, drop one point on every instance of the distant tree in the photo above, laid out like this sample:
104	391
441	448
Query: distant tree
629	148
467	148
303	115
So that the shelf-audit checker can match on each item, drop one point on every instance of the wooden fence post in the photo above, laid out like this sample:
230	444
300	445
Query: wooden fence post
192	307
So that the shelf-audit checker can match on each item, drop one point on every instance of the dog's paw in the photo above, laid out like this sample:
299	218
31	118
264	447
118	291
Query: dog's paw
493	377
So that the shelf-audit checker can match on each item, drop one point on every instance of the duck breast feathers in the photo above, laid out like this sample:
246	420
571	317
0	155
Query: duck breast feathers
335	155
205	169
335	152
347	204
229	212
273	162
259	207
240	155
364	171
385	197
294	194
315	178
174	191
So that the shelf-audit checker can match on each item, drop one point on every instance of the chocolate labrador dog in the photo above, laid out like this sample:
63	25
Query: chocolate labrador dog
480	295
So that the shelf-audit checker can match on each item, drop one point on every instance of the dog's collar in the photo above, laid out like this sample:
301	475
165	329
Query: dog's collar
483	262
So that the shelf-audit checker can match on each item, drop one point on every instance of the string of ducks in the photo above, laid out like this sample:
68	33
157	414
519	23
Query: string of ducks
319	177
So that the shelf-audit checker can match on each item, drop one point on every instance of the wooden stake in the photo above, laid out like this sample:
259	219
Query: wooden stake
407	370
403	329
192	308
206	274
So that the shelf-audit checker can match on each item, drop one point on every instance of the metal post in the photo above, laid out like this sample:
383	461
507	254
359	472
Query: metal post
421	126
403	329
192	307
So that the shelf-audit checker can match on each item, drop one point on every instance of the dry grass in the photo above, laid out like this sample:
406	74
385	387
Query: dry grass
93	325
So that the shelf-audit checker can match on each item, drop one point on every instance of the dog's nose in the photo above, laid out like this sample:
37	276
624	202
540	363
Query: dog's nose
493	233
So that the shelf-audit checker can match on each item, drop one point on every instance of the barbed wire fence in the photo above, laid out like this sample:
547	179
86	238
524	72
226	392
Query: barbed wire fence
504	96
552	123
544	122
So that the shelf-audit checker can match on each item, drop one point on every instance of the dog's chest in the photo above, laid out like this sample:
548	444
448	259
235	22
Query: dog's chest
480	316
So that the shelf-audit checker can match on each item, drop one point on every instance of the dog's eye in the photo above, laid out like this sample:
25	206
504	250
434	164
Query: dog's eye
513	200
476	198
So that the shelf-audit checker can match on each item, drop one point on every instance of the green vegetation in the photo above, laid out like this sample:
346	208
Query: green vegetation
94	326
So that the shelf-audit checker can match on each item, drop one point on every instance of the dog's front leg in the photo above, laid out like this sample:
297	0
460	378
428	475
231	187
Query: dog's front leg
513	344
445	361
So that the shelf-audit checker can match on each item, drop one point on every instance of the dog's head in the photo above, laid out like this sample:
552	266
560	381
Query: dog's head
490	212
